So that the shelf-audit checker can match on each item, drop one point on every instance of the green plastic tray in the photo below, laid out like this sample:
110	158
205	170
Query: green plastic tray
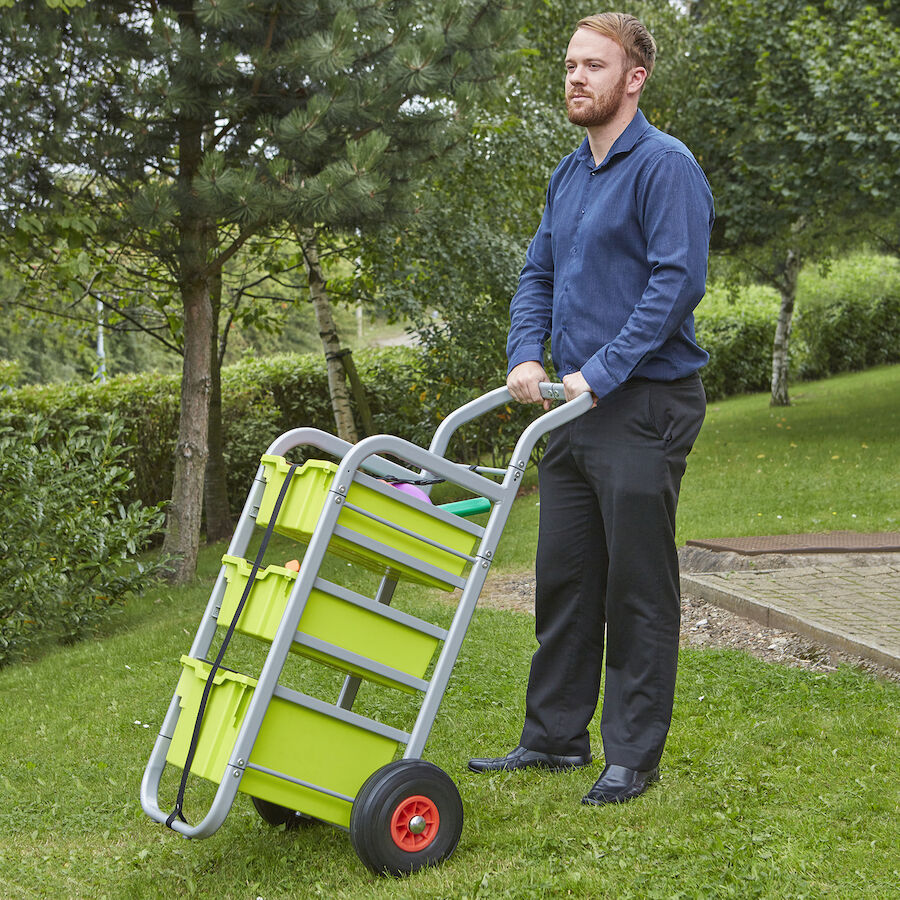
303	504
300	742
325	617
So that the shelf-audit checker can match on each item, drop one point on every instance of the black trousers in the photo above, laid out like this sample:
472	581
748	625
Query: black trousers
607	566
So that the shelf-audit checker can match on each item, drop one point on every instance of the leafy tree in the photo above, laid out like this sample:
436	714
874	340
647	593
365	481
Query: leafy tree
757	116
853	59
177	131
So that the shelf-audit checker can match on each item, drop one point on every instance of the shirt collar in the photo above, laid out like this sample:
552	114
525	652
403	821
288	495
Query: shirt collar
624	143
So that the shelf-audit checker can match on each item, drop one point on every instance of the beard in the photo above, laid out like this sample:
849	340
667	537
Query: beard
602	108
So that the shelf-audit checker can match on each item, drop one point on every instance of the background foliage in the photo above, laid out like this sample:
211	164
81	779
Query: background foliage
68	542
849	316
848	319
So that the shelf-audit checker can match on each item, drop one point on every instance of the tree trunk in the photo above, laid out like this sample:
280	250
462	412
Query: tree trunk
215	488
781	349
182	538
359	393
331	342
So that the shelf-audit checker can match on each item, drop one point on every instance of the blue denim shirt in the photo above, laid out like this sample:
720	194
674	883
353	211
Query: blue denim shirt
618	264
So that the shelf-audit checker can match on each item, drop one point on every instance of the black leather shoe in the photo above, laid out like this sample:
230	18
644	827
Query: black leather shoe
617	784
522	758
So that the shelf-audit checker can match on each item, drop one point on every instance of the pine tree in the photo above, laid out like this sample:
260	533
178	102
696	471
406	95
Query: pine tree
174	131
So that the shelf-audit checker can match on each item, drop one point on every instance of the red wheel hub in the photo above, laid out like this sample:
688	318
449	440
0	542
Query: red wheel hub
414	824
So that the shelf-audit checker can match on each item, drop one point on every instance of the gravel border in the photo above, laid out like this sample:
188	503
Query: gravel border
704	625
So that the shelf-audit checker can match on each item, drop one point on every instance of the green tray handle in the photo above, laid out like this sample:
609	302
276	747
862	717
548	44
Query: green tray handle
468	507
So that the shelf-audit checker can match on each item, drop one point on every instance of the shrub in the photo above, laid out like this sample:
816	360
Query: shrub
68	545
738	334
264	398
848	318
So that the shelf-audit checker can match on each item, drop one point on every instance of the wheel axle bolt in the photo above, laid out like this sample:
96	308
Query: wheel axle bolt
417	824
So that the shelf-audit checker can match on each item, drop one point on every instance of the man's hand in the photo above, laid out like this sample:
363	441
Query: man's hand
524	383
576	385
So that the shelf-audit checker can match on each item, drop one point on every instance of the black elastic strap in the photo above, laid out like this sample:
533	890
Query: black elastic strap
192	749
393	479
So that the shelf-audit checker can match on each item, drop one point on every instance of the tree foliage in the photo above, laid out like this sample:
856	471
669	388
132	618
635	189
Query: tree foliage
761	116
158	138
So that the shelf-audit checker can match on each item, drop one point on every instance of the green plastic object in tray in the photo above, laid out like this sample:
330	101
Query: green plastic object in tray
303	743
473	507
328	618
302	505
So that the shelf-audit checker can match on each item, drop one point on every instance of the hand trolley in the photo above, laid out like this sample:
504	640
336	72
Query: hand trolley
300	757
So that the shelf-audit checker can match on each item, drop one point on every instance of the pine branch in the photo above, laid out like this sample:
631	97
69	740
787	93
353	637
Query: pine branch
236	245
257	80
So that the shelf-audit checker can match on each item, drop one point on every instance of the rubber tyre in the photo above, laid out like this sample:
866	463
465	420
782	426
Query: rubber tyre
275	815
388	796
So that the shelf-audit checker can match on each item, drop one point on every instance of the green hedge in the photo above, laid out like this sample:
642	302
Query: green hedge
145	408
264	398
849	317
738	334
846	320
261	399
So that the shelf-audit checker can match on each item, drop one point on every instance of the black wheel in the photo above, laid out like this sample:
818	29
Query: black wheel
407	815
275	815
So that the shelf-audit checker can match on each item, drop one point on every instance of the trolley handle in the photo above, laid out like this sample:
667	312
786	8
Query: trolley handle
484	404
553	391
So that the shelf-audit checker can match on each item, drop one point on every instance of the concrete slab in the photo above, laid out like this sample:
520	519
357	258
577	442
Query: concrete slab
826	542
848	607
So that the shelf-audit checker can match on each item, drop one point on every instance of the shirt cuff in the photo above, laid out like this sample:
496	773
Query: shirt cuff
596	375
527	353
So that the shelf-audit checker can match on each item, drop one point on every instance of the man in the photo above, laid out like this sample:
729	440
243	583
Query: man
612	277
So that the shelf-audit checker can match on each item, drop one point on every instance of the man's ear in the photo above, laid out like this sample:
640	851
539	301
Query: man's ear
636	79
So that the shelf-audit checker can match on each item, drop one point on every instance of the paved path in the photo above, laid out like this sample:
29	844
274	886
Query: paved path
844	605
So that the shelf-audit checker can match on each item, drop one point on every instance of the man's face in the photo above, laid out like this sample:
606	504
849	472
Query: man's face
596	78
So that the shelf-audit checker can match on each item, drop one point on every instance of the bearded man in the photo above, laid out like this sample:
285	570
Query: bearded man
612	277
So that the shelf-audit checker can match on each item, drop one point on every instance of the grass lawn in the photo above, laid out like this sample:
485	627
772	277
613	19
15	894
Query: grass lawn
777	782
828	462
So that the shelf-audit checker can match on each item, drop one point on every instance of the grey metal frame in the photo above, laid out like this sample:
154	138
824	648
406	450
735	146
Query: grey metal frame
355	460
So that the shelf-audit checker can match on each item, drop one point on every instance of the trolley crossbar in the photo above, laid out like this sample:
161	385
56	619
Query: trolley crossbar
435	512
406	531
360	662
337	712
306	784
382	609
398	556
